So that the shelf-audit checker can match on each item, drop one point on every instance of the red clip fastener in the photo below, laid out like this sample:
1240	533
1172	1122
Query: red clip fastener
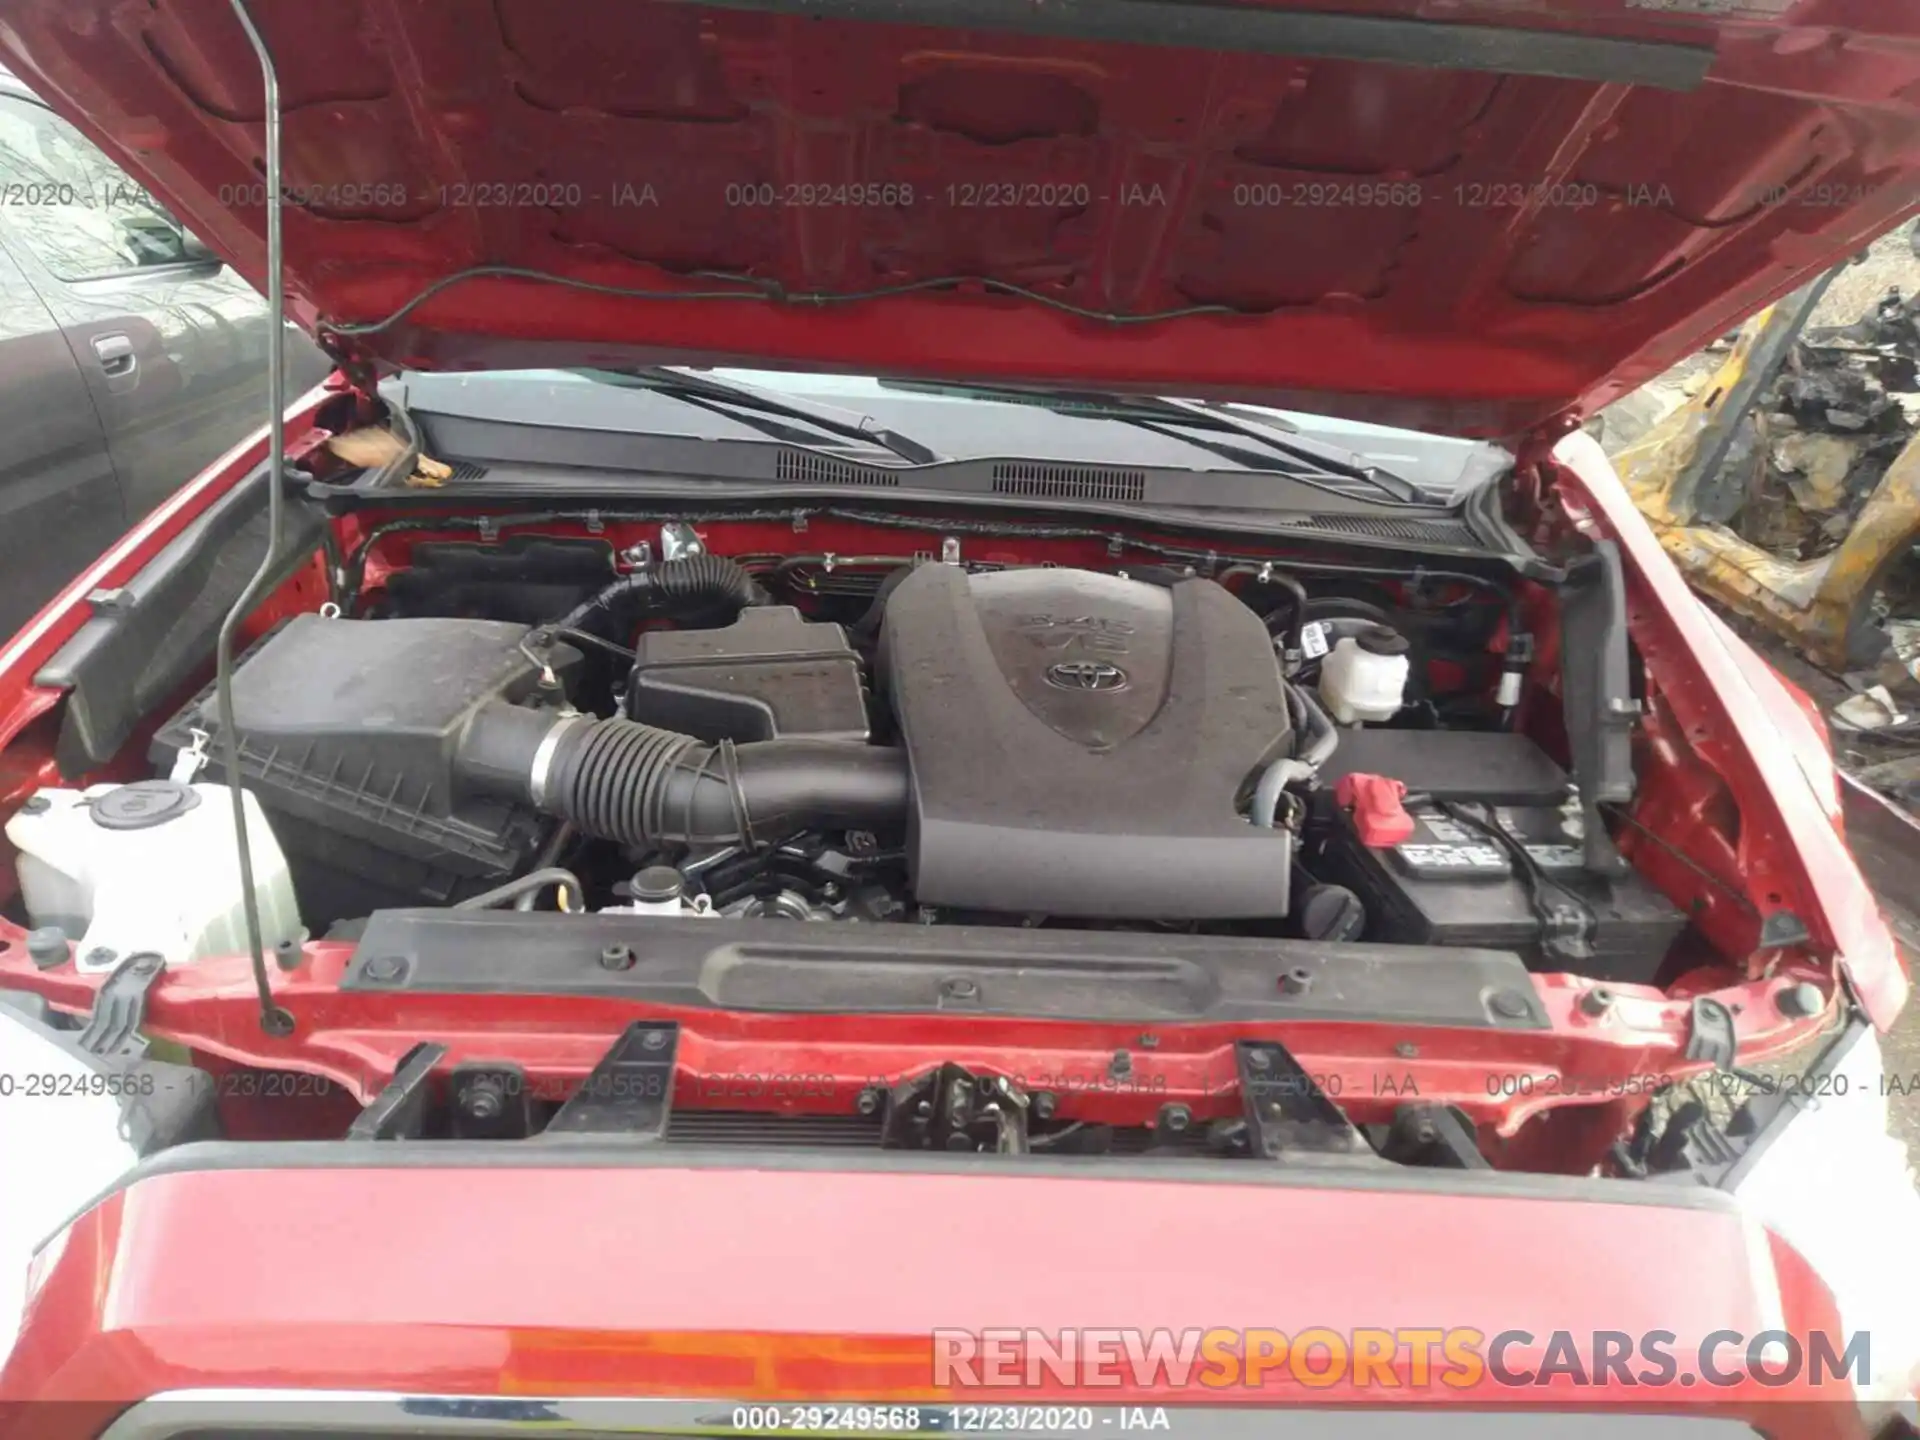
1378	815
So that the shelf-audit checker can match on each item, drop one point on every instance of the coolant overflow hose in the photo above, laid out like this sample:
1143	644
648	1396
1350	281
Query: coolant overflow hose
641	786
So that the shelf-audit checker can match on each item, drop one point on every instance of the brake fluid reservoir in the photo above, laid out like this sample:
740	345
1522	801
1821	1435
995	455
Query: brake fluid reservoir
1364	676
151	866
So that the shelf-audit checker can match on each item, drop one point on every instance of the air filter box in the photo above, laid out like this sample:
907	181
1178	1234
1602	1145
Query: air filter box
348	730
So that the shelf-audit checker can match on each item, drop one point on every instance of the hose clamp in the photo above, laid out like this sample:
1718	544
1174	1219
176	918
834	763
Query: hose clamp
543	759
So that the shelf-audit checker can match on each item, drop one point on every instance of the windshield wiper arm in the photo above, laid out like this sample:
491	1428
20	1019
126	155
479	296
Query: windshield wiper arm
1152	412
708	393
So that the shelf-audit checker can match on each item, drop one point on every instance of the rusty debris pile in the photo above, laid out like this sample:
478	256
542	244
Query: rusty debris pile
1824	432
1838	415
1782	473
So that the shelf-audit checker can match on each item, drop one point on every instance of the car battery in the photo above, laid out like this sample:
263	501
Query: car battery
1450	883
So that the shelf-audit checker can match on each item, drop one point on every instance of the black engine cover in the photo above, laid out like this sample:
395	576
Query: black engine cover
1079	743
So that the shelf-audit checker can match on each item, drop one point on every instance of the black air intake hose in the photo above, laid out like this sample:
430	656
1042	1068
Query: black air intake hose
692	587
642	786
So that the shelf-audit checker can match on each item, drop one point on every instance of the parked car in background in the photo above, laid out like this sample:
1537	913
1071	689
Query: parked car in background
130	355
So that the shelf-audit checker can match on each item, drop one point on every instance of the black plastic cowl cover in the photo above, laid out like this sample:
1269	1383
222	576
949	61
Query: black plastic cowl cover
1079	744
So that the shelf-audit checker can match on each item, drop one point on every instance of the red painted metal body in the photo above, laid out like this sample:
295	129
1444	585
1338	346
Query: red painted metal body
1737	727
771	1283
1461	250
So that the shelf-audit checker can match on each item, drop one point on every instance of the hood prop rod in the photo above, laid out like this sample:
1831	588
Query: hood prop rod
274	1019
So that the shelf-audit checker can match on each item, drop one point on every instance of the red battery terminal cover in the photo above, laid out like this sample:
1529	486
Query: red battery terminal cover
1378	816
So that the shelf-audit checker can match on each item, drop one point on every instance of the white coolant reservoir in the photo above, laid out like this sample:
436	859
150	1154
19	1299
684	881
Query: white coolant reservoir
1364	676
149	866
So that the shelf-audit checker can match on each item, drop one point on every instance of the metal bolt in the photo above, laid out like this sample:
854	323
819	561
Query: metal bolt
653	1039
35	805
482	1101
1801	1001
47	947
383	969
1149	1041
868	1102
1597	1001
959	988
1121	1066
1174	1118
1510	1005
1406	1050
616	957
100	955
1045	1102
1296	981
1259	1060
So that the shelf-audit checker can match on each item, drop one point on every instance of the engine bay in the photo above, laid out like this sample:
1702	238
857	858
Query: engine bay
880	829
925	739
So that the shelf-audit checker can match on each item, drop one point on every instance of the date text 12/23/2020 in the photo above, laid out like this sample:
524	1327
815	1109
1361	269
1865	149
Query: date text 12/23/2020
1009	1420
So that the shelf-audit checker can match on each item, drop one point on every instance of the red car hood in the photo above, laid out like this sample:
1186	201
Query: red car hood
1473	216
191	1278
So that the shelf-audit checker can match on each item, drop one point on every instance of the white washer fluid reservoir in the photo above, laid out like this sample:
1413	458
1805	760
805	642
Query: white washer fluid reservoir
1364	677
151	866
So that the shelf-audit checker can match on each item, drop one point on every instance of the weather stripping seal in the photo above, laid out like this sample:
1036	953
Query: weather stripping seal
1253	29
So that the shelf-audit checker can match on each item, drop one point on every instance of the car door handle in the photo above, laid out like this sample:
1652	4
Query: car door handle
116	354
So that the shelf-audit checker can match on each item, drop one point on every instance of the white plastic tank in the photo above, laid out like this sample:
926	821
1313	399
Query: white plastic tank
149	866
1364	677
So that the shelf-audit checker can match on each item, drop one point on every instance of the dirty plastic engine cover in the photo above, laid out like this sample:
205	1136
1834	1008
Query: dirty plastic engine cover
1078	743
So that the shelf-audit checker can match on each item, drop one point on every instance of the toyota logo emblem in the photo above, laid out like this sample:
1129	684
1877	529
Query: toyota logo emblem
1086	675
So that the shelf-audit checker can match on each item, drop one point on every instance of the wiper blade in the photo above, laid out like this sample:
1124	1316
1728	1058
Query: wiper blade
725	397
1310	459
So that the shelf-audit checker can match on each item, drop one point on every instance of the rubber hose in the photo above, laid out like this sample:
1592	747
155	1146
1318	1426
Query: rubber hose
1345	607
642	786
868	625
1317	725
1314	741
1274	779
1267	575
692	586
